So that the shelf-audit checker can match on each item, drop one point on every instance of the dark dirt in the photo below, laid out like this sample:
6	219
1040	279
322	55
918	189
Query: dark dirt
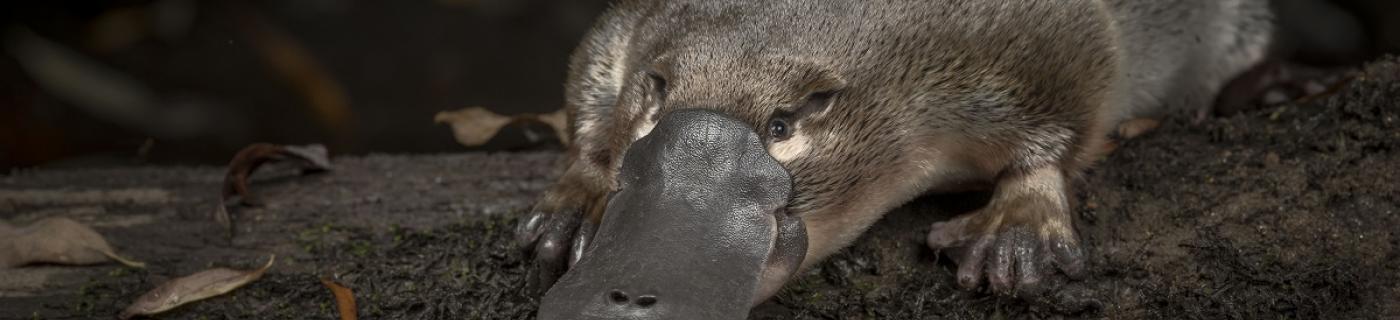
1288	212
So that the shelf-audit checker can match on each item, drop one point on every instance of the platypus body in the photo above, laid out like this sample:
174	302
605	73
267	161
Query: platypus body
864	105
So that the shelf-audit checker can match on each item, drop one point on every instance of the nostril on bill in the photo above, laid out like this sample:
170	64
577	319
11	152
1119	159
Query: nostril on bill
618	297
621	298
646	301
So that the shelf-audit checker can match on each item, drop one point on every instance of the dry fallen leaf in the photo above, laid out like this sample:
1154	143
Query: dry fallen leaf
313	157
1133	128
55	240
475	126
199	286
344	299
1128	130
472	126
559	121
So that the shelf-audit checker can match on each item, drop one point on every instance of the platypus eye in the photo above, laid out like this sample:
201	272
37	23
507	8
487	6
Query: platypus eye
780	125
778	129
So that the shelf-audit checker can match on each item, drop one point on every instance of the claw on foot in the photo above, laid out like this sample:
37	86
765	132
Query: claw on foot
1012	259
552	240
548	247
1017	241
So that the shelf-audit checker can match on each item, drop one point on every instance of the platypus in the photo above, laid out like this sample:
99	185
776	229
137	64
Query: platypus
864	105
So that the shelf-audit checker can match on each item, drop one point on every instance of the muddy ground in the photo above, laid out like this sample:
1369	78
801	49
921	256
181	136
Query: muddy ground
1288	212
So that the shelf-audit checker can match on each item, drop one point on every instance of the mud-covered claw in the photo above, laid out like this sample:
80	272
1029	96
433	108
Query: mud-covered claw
970	260
547	239
1068	255
1013	259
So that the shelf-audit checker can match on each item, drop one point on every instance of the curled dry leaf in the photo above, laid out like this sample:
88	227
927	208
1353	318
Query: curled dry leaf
344	299
199	286
475	126
313	157
56	240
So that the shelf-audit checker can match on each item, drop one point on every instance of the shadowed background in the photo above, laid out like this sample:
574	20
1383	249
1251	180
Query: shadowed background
204	78
87	82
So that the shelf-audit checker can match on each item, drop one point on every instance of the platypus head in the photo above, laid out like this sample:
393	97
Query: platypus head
697	229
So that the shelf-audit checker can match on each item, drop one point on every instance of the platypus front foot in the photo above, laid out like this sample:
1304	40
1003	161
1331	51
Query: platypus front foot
555	232
1023	234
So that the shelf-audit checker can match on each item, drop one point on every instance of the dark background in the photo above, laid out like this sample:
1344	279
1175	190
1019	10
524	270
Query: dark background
396	63
215	73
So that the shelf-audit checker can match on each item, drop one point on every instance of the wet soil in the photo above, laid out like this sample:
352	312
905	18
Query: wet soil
1287	212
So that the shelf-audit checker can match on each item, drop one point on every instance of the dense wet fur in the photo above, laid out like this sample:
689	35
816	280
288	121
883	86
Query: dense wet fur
892	99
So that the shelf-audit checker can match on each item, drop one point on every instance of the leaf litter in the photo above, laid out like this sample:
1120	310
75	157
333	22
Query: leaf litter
56	240
198	286
344	299
312	157
474	126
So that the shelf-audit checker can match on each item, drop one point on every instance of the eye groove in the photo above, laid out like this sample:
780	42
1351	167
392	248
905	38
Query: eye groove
817	100
658	85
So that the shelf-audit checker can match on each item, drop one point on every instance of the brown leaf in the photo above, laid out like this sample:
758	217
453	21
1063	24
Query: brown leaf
475	126
1133	128
472	126
559	120
344	299
55	240
313	157
199	286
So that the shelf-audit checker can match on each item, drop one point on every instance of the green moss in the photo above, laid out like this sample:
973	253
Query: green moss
87	298
313	240
397	232
361	248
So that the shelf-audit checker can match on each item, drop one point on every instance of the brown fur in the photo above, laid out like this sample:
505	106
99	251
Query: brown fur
927	96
